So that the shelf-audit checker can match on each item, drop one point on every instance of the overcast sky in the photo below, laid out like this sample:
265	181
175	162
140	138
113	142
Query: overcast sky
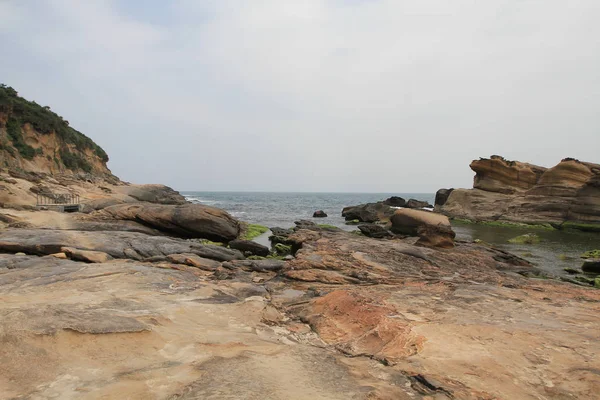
331	95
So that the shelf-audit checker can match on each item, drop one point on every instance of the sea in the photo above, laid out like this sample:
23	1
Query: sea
277	209
556	251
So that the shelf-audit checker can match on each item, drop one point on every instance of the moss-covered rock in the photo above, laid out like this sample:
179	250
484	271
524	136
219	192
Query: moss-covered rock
597	283
352	222
571	271
528	238
252	231
591	254
282	249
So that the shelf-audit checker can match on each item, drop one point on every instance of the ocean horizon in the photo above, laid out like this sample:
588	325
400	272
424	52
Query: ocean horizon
281	209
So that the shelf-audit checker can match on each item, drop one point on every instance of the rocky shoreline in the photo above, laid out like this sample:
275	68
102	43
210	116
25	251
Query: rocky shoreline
164	299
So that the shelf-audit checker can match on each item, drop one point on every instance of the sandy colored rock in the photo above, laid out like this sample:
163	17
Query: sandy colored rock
567	195
408	221
193	260
86	255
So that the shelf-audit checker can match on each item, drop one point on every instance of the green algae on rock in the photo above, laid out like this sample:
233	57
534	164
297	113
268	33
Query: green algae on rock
528	238
252	231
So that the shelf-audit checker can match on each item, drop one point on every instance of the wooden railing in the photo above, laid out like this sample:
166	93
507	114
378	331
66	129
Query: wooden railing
57	199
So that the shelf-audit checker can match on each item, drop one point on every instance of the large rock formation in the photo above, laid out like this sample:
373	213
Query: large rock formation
567	195
187	220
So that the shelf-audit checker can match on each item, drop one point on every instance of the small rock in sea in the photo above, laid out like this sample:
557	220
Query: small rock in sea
591	265
319	214
528	238
395	201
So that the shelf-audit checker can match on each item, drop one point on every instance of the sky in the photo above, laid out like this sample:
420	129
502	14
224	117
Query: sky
312	95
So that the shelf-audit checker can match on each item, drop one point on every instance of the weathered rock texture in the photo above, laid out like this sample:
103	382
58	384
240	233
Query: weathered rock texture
568	193
349	318
187	220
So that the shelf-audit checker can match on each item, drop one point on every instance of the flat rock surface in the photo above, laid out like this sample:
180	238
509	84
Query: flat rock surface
131	245
349	317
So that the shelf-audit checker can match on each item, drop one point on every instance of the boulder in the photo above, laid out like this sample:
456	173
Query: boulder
159	194
591	265
187	220
305	224
375	231
370	212
442	196
319	214
249	246
395	201
439	236
413	203
407	221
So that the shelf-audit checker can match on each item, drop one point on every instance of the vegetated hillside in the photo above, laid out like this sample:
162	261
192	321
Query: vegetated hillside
34	138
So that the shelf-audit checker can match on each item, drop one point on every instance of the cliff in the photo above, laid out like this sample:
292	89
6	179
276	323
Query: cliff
567	194
35	139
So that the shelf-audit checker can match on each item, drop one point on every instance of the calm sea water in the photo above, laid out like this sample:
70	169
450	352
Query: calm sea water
282	209
556	251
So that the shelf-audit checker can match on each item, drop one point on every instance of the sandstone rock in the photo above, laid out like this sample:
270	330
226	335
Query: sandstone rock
375	231
499	175
370	212
99	204
61	256
319	214
194	261
159	194
86	255
188	220
395	201
249	246
442	196
565	196
132	245
407	221
305	224
439	236
412	203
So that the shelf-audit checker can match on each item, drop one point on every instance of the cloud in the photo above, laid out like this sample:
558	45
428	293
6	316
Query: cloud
314	95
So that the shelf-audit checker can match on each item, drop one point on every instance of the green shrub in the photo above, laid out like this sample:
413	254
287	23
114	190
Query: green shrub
13	129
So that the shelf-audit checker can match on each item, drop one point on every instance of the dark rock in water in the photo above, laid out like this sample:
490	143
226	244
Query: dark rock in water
370	212
375	231
304	224
395	201
591	265
187	220
249	246
412	203
436	236
281	232
442	196
319	214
